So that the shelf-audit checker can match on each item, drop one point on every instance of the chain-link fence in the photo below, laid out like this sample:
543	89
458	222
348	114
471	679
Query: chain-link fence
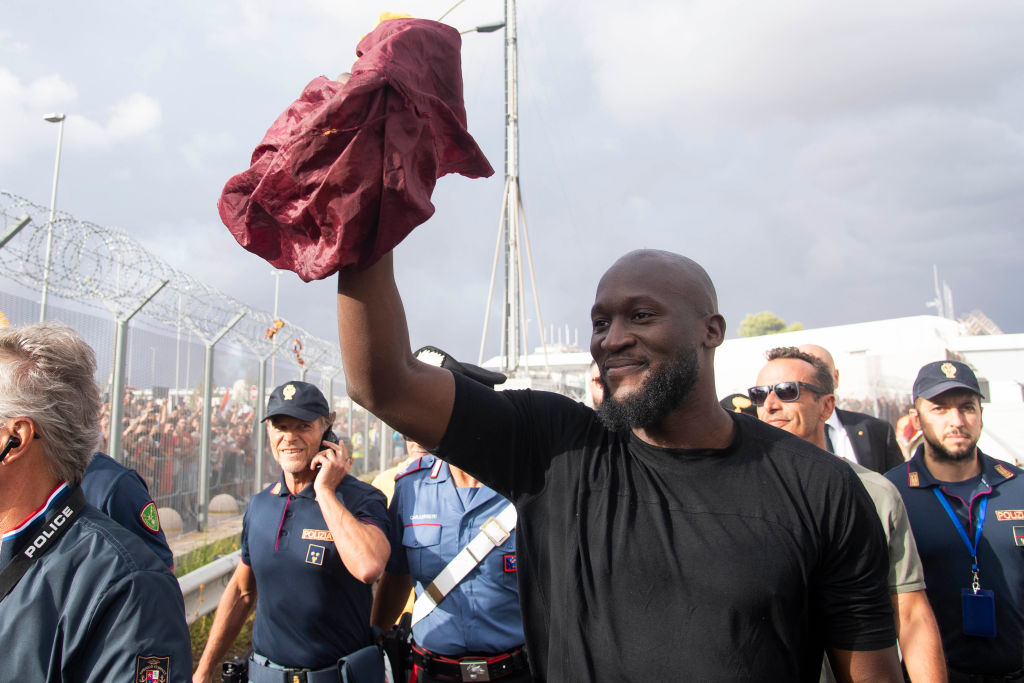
167	345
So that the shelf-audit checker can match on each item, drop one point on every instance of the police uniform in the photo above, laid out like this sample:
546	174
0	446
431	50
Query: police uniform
121	493
947	561
431	521
310	610
96	606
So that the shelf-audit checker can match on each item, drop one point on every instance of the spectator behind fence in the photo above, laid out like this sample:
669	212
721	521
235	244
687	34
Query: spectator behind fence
795	393
82	599
666	537
857	437
162	443
312	543
967	512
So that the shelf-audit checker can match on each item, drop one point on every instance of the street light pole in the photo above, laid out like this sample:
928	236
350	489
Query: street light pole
513	282
52	118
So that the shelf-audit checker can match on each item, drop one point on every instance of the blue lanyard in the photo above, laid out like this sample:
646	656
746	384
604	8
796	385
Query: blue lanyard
972	548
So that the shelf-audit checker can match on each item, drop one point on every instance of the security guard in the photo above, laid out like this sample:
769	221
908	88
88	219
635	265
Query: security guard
81	599
967	513
122	494
312	544
475	631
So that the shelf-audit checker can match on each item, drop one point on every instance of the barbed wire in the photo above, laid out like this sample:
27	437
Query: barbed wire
94	264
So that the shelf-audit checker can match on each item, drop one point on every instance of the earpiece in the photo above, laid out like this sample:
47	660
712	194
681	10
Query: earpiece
12	442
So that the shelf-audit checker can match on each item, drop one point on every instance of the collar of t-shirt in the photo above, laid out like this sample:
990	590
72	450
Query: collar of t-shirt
638	445
840	440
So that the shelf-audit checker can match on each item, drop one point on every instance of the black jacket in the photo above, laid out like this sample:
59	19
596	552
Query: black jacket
874	441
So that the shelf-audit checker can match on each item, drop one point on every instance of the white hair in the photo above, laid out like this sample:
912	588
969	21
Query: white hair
47	374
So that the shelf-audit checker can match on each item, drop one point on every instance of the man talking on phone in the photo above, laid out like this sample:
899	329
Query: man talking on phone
312	545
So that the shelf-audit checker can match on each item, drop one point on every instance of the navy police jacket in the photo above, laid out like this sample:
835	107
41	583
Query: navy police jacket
947	562
97	606
431	521
122	494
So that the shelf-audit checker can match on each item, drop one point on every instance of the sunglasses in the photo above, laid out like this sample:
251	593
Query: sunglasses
784	391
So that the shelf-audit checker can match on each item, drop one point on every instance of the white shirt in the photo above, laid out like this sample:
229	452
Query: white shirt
840	440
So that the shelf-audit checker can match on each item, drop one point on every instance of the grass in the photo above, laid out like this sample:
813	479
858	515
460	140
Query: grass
199	631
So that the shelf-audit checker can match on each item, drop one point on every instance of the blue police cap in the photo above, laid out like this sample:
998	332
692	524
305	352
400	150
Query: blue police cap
300	400
943	375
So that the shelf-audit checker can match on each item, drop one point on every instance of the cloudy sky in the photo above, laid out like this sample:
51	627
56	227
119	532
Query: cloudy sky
817	158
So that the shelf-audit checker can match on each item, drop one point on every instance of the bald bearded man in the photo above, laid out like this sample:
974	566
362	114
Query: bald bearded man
661	532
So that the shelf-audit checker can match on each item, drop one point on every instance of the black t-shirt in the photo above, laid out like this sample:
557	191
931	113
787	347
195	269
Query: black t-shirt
643	563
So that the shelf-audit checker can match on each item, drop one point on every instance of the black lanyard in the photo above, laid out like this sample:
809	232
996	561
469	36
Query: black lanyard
32	548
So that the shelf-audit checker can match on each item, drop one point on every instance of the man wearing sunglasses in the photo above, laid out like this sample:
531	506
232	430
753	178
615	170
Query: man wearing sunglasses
660	534
794	393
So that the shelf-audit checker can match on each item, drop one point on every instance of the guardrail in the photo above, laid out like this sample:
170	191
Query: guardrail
203	587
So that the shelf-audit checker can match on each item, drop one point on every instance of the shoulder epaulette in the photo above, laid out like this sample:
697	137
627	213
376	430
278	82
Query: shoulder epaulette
422	463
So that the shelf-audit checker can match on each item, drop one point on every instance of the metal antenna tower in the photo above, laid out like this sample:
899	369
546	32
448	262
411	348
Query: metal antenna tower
512	224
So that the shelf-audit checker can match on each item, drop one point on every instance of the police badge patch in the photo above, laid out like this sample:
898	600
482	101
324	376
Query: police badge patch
152	669
150	518
315	554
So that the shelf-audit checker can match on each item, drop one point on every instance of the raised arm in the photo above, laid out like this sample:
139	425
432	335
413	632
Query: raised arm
380	371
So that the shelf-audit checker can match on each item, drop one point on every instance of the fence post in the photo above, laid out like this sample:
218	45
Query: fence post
117	388
261	432
204	456
10	234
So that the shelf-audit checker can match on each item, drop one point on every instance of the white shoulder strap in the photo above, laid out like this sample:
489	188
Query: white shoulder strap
493	533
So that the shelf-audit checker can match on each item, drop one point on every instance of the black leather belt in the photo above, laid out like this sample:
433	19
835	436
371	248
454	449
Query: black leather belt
471	667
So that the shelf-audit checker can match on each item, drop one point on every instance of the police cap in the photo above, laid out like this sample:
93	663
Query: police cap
300	400
943	375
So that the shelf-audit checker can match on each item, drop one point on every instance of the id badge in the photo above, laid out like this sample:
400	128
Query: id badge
979	612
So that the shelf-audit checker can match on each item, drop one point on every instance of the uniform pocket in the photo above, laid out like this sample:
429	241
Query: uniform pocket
421	535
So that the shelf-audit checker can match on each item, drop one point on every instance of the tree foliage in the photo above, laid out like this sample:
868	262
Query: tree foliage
765	322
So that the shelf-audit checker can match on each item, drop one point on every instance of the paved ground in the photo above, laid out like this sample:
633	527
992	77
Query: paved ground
186	543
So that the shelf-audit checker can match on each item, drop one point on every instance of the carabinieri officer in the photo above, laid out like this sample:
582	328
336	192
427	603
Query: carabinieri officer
475	631
312	544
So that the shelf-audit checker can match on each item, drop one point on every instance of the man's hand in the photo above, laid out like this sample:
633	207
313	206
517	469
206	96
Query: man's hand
334	463
363	548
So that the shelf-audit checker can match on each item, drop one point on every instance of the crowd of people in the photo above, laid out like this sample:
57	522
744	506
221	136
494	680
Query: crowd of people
161	440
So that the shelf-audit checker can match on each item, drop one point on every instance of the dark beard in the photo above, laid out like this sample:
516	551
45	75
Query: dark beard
663	391
941	454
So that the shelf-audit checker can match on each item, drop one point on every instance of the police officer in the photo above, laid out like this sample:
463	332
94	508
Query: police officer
81	599
312	543
122	494
967	513
475	631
